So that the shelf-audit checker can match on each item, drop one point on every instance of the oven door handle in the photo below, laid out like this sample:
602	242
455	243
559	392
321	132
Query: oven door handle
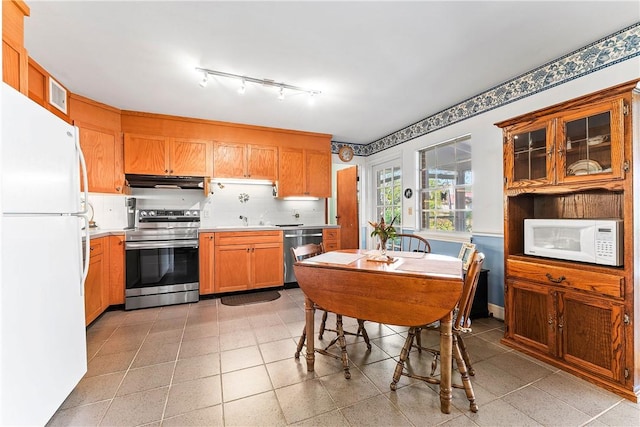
161	244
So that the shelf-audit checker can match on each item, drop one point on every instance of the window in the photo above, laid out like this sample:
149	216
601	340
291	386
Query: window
388	181
446	186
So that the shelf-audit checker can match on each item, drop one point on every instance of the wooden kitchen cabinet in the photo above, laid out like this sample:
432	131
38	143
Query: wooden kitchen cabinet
159	155
585	143
207	256
304	173
15	60
101	142
331	239
102	150
96	290
584	331
116	270
248	260
574	161
245	161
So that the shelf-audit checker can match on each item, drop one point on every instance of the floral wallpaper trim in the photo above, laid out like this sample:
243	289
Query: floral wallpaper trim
618	47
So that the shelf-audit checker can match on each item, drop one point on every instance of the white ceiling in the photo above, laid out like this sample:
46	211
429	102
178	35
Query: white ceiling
380	65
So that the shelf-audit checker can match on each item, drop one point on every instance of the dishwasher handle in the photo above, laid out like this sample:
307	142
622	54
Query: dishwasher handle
303	235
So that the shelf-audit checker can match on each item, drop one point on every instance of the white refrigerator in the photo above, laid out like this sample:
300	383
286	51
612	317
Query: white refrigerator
43	352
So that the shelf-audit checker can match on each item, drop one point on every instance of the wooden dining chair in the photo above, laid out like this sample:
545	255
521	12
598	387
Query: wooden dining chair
461	324
307	251
408	243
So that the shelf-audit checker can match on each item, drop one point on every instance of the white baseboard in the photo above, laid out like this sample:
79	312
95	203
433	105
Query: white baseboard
496	311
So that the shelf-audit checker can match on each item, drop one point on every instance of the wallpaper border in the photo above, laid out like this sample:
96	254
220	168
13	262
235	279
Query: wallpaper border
610	50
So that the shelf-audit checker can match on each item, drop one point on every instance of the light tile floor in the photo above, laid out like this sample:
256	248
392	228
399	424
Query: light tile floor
208	364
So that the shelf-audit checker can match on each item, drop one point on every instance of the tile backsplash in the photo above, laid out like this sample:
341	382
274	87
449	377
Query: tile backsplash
223	207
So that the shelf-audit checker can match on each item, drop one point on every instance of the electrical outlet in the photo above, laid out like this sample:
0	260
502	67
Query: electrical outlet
205	213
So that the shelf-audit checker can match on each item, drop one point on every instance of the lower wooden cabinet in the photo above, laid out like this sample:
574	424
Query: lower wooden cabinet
248	260
206	255
96	291
116	270
105	281
581	331
331	239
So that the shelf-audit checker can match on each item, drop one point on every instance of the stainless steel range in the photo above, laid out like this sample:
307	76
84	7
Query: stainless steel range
162	258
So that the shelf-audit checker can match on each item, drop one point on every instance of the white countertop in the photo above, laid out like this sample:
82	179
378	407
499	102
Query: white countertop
96	233
222	228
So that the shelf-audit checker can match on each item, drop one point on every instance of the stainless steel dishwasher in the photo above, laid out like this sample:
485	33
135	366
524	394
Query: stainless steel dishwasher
294	237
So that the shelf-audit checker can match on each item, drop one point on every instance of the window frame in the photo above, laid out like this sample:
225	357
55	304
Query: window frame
391	164
439	234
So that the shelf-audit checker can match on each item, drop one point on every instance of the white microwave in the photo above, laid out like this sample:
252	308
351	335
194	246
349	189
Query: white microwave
597	241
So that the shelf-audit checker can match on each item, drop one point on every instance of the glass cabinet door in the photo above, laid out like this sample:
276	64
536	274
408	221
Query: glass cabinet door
590	144
529	156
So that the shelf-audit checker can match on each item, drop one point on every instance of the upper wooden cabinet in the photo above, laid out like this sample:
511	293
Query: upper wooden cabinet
582	144
304	173
574	161
103	154
245	161
159	155
15	60
101	143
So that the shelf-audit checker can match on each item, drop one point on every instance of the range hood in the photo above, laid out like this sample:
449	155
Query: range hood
161	181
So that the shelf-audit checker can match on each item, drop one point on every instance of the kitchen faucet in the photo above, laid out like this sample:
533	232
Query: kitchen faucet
245	220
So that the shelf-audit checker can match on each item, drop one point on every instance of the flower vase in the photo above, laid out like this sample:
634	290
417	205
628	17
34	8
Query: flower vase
383	247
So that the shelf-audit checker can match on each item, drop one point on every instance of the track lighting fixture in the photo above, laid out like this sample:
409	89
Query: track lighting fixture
264	82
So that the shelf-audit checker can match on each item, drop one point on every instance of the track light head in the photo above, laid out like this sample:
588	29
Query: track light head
205	80
242	88
281	94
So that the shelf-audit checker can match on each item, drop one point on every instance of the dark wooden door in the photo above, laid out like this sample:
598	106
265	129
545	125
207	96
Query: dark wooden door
347	207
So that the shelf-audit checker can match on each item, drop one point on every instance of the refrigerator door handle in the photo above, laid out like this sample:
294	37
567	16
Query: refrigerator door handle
84	214
84	258
85	180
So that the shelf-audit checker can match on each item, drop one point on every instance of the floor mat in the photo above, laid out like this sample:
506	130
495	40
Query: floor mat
250	298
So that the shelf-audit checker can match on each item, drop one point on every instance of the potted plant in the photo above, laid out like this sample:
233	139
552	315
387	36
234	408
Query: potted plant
384	233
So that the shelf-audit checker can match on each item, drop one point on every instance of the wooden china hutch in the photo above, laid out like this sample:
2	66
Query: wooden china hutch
575	160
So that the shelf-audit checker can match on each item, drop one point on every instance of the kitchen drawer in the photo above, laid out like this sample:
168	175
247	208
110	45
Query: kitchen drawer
330	234
330	246
247	237
580	279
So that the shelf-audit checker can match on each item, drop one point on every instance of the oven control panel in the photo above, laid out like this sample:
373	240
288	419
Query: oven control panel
166	215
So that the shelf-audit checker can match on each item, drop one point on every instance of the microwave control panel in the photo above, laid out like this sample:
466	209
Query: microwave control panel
608	244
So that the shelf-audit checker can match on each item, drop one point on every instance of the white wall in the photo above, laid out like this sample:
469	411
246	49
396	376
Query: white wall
486	142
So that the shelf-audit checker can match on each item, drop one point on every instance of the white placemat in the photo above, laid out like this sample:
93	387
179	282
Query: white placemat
336	258
395	254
